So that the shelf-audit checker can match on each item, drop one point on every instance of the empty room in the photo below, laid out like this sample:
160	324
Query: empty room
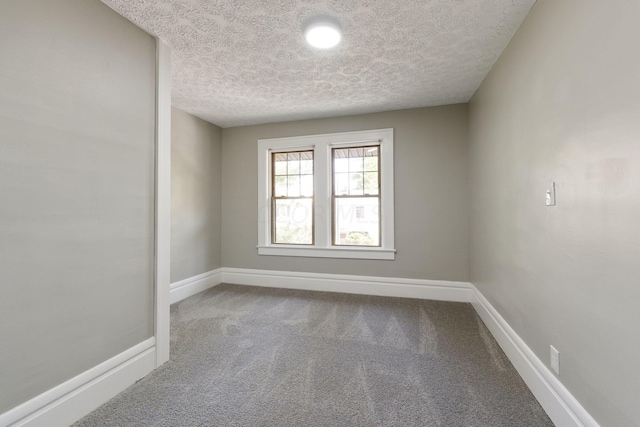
319	213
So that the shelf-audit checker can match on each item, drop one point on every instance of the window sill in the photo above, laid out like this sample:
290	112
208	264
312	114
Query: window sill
316	252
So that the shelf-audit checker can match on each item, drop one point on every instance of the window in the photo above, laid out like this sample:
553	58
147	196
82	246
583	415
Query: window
356	196
327	195
292	198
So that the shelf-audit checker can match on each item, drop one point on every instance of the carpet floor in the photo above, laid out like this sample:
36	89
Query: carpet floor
250	356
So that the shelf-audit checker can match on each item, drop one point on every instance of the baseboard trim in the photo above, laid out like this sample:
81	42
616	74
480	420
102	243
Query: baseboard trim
70	401
193	285
561	406
364	285
75	398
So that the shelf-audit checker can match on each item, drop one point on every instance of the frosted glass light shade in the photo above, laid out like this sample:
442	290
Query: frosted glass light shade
323	33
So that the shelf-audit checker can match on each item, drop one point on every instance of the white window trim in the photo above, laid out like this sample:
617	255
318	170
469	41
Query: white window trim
322	145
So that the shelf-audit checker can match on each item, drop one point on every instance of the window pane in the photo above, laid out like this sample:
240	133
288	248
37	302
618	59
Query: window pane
357	221
371	182
280	168
294	167
339	153
371	164
356	164
340	165
306	167
306	185
371	151
356	185
280	189
294	186
293	221
341	183
356	152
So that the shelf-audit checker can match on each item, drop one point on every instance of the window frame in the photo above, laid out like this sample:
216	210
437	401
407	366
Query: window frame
322	145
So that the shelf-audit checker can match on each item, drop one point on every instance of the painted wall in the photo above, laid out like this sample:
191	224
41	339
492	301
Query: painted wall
431	194
563	104
195	196
77	119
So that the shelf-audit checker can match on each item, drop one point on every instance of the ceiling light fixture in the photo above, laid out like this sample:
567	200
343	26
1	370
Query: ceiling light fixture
323	32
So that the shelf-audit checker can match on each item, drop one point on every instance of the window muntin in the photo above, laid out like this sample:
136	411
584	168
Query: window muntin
292	205
355	196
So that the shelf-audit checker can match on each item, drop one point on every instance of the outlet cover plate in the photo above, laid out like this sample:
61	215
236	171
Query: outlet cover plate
555	360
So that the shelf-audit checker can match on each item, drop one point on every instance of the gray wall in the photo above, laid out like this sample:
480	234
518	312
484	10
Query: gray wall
195	196
77	119
563	104
431	194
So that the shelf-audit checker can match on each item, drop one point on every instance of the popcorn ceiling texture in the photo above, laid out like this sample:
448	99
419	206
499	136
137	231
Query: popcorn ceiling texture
246	62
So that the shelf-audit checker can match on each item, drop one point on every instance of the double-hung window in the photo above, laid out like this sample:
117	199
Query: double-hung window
355	196
292	198
327	195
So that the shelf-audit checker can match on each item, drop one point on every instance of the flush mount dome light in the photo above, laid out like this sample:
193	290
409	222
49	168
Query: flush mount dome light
323	32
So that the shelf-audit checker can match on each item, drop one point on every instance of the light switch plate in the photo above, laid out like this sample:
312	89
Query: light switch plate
551	194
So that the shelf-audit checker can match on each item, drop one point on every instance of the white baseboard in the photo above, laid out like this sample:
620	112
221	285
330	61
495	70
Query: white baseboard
366	285
563	409
193	285
73	399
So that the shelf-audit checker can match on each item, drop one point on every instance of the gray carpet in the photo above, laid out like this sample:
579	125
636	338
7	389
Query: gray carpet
249	356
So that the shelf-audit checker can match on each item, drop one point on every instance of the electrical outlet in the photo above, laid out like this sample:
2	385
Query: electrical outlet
555	360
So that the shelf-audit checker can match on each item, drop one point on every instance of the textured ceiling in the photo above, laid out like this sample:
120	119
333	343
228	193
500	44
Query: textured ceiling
238	62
